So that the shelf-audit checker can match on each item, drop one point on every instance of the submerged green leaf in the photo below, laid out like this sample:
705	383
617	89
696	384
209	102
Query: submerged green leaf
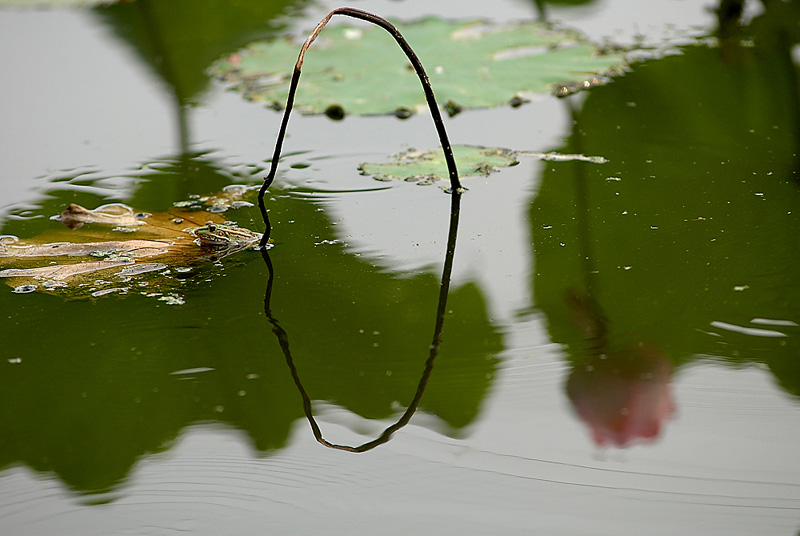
470	64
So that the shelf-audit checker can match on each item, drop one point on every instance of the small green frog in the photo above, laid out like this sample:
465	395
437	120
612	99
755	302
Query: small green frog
224	235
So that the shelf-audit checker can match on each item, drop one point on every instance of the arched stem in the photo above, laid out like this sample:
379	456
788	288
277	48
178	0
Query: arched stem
455	184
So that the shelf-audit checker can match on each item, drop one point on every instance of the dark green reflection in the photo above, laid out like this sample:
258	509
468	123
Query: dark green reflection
433	353
368	350
543	5
687	243
88	387
179	39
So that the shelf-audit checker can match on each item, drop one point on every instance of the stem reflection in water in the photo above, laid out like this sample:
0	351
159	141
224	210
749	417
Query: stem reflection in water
283	340
455	191
441	131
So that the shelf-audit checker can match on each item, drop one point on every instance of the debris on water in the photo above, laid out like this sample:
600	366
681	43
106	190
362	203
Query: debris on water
756	332
195	370
773	322
558	157
190	204
107	291
239	189
172	299
24	289
459	190
141	268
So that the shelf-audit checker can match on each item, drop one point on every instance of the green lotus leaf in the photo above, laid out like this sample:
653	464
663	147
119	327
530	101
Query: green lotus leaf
427	167
361	70
472	161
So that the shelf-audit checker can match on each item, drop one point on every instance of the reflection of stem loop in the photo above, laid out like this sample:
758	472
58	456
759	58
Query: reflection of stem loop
283	340
455	184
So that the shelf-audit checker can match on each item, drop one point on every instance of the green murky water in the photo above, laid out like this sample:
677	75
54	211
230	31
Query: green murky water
619	351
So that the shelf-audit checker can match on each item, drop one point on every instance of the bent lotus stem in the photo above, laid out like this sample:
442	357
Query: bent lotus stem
455	184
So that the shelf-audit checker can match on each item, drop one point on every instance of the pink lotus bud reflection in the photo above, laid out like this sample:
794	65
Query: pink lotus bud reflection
625	397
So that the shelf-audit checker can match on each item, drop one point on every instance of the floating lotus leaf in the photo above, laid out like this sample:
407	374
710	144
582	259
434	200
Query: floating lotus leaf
361	71
427	167
472	161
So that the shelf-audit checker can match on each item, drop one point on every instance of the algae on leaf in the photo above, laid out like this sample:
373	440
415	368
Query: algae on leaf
471	65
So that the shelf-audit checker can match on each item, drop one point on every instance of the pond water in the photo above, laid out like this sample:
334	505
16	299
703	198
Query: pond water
620	350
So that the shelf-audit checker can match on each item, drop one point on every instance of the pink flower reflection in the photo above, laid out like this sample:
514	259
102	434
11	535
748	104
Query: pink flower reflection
624	398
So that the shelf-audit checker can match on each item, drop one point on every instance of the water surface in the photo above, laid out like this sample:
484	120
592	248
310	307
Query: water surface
620	342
